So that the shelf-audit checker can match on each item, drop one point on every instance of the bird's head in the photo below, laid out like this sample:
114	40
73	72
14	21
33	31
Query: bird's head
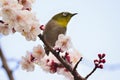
63	18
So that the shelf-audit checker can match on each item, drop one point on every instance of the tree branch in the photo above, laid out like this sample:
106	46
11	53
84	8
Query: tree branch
5	66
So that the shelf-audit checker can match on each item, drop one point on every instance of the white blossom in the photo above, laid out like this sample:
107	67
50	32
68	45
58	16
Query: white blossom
11	4
74	56
43	64
63	42
4	29
27	63
47	62
38	52
20	20
26	4
32	34
65	73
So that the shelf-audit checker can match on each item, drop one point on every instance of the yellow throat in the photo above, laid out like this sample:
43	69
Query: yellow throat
62	23
63	18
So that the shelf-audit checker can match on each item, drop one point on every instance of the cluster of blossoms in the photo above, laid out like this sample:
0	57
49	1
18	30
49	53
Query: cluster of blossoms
99	62
50	63
16	16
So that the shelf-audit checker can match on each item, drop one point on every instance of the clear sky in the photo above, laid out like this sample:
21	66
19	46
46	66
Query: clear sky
96	29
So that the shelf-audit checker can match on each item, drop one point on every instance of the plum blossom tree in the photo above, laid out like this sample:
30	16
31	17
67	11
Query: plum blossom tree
63	58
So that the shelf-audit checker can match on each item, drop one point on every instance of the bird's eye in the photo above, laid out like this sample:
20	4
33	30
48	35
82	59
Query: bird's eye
64	14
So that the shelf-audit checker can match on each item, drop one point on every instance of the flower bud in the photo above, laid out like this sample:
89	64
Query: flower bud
96	61
100	56
103	55
42	27
100	66
103	61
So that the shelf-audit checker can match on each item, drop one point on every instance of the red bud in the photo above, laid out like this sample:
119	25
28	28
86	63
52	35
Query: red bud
100	56
103	61
100	66
103	55
42	27
32	59
53	66
67	57
96	61
47	60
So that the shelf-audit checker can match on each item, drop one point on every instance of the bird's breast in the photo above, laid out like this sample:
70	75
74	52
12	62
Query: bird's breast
52	31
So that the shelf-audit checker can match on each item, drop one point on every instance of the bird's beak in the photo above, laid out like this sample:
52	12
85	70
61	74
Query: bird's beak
74	14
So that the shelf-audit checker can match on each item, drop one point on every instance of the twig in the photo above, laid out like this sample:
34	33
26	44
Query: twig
76	75
77	63
5	66
98	64
94	69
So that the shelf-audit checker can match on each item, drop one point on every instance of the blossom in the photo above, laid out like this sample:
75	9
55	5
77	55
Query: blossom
20	20
66	73
38	52
74	56
4	29
63	42
49	63
26	4
27	62
8	11
32	58
44	64
32	34
13	4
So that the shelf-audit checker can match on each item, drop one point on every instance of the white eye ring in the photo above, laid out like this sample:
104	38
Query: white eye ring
64	14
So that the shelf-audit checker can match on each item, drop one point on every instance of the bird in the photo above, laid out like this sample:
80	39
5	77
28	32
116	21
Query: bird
55	26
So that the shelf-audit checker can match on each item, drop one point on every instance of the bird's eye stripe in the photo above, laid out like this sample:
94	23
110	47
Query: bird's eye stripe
64	14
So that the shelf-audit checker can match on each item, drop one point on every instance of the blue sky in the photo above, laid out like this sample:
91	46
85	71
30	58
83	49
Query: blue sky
96	29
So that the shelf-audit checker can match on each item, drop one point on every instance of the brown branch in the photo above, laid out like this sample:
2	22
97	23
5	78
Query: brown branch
76	75
5	66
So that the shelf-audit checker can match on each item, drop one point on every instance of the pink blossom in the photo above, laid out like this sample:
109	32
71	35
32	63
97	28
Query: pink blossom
32	58
4	29
63	42
32	34
8	2
65	73
74	56
48	63
44	64
8	13
13	4
20	20
38	52
26	4
27	63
